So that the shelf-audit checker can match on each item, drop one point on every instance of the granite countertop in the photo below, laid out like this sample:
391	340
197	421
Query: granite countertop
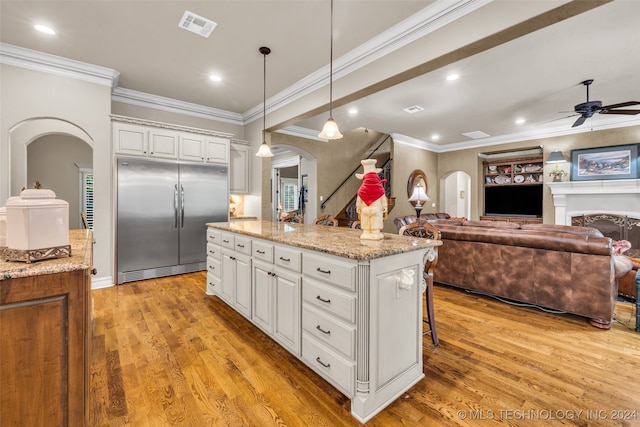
81	242
339	241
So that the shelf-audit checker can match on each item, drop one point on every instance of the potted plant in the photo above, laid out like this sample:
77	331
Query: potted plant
557	175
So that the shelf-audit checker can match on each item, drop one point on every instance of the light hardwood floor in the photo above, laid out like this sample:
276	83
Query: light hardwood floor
164	353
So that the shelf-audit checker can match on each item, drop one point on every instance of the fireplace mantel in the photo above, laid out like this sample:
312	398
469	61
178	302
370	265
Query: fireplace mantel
619	196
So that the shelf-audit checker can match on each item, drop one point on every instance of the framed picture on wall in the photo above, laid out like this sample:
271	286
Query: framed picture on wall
613	162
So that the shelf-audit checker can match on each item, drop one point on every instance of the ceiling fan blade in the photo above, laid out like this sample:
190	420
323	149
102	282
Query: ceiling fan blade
622	104
628	112
580	121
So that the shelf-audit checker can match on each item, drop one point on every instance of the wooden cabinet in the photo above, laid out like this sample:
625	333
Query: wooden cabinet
44	336
163	144
239	169
513	190
514	172
130	139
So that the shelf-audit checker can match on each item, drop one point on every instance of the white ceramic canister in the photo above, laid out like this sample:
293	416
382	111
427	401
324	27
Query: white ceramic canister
37	220
3	227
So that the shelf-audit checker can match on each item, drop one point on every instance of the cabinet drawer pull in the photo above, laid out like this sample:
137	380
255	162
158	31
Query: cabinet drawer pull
326	365
232	258
328	301
260	252
322	330
212	267
212	252
323	271
225	241
285	259
240	246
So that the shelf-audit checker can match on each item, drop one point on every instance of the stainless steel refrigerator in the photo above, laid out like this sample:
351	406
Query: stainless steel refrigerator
162	211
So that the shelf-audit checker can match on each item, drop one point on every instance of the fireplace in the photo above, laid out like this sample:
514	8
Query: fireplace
618	227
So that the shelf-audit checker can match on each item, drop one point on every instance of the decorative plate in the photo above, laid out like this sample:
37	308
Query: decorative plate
518	178
502	179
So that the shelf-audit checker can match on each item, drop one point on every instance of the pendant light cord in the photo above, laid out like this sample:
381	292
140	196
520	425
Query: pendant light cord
264	98
331	66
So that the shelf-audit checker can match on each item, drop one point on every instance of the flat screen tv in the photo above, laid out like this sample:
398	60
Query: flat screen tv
513	200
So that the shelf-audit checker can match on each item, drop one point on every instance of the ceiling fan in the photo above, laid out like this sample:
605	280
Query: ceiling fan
589	108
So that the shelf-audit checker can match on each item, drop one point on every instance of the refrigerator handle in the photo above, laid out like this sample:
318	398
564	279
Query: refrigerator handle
175	206
181	206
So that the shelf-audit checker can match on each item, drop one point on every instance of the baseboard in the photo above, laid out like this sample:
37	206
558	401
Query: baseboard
101	282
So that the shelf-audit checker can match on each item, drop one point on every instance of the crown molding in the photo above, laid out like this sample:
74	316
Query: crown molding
57	65
301	133
148	100
428	20
171	126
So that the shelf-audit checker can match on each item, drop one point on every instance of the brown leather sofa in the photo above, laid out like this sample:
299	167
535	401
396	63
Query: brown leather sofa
562	268
406	220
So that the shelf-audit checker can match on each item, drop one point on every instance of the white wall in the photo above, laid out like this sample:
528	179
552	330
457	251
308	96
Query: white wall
35	104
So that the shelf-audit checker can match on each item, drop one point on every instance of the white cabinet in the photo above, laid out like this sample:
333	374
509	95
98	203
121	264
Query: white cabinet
239	169
214	262
217	150
235	288
287	310
192	147
163	144
276	295
169	142
328	319
130	139
354	317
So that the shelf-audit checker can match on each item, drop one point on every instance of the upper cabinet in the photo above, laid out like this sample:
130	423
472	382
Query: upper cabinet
239	168
137	137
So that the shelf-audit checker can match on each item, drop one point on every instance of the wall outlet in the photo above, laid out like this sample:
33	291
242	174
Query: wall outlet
433	205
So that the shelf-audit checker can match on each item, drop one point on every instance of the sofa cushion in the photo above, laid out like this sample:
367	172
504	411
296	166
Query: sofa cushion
581	231
491	224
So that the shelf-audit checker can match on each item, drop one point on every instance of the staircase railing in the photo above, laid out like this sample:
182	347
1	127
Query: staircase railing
324	203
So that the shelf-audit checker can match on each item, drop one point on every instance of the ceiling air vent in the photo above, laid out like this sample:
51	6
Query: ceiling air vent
197	24
414	109
476	134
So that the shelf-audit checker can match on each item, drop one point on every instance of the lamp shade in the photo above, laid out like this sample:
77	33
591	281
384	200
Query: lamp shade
556	157
264	150
330	130
418	195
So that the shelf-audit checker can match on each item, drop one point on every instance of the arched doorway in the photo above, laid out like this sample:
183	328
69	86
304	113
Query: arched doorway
455	194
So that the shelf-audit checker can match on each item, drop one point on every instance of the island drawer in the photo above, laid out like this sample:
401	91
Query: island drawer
262	250
213	284
213	236
243	245
227	240
330	331
213	251
213	266
330	270
328	364
288	258
333	301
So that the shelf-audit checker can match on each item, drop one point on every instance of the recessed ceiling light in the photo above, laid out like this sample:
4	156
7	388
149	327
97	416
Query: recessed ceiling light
44	29
520	121
435	137
452	77
215	78
353	111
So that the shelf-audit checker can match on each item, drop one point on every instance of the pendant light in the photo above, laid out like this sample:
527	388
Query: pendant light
264	150
330	129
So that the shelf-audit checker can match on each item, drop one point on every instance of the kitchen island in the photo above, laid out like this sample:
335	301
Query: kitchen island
44	331
350	309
